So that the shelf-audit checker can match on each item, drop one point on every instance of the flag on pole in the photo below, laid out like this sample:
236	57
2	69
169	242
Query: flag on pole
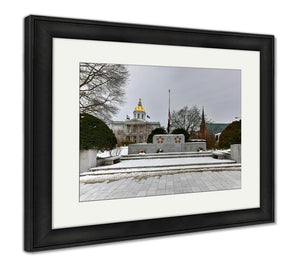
148	116
127	117
169	121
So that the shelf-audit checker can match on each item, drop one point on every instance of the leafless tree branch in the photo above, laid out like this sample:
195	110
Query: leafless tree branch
187	118
102	88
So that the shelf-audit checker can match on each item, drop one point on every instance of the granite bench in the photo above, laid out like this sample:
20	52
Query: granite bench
112	160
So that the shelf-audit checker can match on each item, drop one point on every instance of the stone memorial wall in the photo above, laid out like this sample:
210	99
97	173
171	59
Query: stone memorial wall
167	143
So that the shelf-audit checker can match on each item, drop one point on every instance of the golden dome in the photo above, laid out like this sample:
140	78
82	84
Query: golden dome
139	107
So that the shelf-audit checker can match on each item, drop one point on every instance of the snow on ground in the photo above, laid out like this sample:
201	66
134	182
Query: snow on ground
155	167
220	151
169	168
104	154
99	176
123	151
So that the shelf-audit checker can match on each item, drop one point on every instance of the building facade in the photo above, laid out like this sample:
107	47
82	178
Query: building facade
134	130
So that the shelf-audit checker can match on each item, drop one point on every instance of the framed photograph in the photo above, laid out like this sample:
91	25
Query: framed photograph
135	131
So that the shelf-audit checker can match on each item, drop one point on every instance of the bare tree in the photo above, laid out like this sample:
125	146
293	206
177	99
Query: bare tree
187	118
102	88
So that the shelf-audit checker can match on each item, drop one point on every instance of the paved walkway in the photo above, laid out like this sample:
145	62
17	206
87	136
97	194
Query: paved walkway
189	182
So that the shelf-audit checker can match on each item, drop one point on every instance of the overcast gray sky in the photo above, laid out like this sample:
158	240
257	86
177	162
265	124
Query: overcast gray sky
218	90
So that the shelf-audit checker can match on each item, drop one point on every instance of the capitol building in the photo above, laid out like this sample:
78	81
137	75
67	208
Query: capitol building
135	130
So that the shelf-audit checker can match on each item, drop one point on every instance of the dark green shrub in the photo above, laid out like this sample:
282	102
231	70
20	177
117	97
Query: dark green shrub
156	131
182	131
230	135
95	134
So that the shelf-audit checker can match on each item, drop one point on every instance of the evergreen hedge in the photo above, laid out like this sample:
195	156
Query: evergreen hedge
230	135
182	131
156	131
95	134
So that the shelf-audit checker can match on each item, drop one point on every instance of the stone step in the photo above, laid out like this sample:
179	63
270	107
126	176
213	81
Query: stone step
103	168
171	169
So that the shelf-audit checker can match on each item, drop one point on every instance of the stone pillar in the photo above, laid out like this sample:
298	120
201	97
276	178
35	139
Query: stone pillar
236	152
88	159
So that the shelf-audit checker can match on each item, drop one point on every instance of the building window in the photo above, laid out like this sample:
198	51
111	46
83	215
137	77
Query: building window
138	115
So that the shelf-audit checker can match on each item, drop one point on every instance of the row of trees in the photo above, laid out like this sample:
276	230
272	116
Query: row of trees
187	121
230	135
95	134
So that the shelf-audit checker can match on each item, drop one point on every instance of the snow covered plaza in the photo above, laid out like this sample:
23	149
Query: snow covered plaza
160	174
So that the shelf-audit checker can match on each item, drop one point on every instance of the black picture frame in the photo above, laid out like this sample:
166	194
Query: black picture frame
39	32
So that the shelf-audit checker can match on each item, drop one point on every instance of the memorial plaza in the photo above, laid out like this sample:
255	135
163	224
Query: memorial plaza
160	174
157	164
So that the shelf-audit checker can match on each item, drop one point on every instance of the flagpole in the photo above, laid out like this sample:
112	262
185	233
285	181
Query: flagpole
169	115
169	100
